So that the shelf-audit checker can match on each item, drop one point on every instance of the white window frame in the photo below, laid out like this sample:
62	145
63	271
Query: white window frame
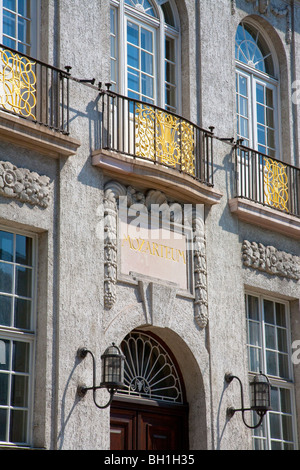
253	79
266	79
34	26
162	30
275	381
12	333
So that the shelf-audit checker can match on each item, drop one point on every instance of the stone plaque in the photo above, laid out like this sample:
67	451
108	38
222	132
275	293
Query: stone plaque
159	253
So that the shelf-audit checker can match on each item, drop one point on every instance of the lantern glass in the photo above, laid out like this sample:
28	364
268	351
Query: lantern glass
112	368
260	388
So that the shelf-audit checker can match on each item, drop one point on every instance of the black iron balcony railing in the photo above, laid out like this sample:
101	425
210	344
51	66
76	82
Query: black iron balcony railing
263	179
146	132
34	90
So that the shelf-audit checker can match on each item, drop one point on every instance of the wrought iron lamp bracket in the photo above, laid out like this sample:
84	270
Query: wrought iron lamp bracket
231	411
83	389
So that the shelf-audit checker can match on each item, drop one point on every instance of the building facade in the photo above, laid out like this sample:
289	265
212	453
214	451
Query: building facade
150	197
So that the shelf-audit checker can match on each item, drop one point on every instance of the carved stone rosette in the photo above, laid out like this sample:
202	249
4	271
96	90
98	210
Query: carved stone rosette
270	260
194	221
24	185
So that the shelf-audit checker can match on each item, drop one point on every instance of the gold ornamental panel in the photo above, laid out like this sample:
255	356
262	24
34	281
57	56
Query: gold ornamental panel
17	84
164	138
276	184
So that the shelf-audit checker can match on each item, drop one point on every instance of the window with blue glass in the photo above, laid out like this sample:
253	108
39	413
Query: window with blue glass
18	26
269	351
17	280
145	43
256	91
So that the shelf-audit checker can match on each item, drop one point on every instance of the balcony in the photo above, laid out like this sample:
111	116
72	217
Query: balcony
267	192
34	104
142	143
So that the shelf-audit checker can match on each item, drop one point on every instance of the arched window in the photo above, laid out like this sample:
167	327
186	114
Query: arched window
256	91
145	51
150	371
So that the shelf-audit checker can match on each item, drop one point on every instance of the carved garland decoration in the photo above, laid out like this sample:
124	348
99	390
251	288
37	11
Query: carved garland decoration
270	260
112	191
23	185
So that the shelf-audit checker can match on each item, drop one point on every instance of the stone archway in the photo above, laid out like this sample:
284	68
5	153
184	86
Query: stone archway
151	413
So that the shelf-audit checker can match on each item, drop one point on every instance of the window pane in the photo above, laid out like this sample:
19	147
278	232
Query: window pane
254	333
20	356
261	136
170	49
283	365
269	97
147	86
10	4
22	314
147	40
269	311
4	390
243	86
6	278
132	33
271	362
243	106
4	354
23	250
287	428
22	7
275	426
270	332
5	310
133	80
255	359
260	114
6	246
147	62
260	94
282	340
270	117
3	421
19	394
280	314
23	281
133	56
9	24
18	425
285	397
253	310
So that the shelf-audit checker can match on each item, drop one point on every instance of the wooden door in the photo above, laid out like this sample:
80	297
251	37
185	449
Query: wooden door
136	427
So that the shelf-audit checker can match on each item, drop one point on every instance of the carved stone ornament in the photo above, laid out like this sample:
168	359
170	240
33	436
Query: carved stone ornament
24	185
270	260
112	192
264	7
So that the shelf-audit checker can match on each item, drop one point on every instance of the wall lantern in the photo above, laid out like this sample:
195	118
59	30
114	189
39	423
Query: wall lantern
112	373
260	396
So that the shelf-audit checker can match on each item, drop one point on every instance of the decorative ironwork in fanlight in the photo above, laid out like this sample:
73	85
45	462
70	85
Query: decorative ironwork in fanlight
164	138
275	184
149	370
17	84
252	50
144	6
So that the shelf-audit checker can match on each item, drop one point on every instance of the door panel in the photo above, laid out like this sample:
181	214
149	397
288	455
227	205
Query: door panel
122	430
146	428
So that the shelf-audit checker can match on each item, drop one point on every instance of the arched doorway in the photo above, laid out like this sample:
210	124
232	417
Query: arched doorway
151	413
